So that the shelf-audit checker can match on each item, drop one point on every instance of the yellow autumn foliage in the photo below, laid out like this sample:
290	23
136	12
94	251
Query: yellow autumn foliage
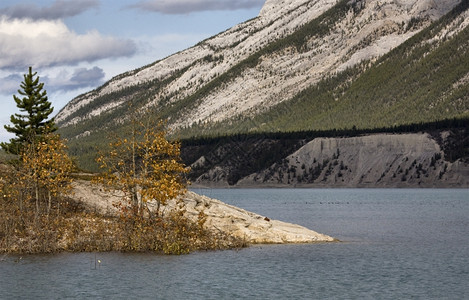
146	167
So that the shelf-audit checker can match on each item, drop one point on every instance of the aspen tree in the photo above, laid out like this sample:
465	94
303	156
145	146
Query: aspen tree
146	167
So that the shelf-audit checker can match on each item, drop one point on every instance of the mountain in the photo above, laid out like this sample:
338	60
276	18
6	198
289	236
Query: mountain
300	65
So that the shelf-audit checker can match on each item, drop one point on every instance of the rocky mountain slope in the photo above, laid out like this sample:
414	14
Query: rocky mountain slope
251	68
301	65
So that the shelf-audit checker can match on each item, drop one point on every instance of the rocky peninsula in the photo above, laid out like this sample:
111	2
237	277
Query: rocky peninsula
221	217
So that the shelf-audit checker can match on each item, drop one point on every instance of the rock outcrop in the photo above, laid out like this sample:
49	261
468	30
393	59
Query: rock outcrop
253	228
381	160
377	160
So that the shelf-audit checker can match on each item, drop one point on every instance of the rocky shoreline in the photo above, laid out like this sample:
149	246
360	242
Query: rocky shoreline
252	227
221	217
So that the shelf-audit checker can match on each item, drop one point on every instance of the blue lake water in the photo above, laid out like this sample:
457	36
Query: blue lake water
396	244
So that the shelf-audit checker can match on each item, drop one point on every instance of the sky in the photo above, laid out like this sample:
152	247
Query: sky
77	45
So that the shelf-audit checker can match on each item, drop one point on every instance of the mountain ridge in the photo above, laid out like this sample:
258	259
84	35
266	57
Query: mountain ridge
184	58
253	88
300	65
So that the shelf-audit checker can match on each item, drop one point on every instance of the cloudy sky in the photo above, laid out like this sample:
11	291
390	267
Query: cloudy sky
76	45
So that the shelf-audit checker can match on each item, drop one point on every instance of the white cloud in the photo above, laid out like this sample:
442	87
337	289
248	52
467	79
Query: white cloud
62	81
188	6
45	43
81	78
5	135
59	9
10	84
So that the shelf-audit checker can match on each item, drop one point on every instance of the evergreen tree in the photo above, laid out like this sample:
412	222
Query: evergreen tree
32	123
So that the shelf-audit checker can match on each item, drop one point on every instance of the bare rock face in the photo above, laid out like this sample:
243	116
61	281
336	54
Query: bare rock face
95	197
383	160
376	160
253	228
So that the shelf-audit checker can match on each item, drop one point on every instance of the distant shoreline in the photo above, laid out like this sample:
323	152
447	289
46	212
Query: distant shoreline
317	186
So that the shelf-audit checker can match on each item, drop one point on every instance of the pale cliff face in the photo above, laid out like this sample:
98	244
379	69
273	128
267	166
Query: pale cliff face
379	160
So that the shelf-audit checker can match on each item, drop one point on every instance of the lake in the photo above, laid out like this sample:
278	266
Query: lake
395	244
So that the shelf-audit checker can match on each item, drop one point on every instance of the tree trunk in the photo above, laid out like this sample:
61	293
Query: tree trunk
134	196
36	189
21	196
49	204
158	207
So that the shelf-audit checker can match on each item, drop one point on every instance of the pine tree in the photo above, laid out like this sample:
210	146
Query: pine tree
32	123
